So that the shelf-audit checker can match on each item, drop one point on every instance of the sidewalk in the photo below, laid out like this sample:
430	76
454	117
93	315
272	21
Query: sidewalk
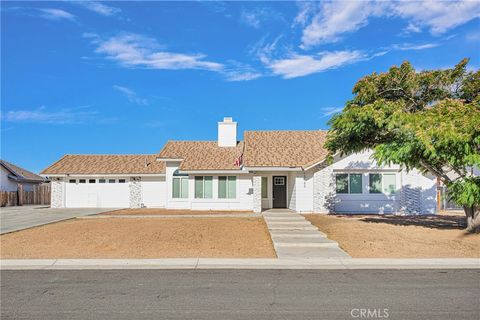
204	263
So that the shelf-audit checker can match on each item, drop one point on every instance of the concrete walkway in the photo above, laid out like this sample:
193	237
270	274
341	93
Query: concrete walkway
206	263
295	237
24	217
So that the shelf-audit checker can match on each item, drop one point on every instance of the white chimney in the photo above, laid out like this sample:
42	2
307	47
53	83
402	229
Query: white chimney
227	133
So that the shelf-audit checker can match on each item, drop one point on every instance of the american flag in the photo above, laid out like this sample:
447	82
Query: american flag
239	161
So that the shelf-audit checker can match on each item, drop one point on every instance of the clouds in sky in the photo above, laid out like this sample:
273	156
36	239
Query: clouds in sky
42	115
300	65
138	51
131	95
98	7
55	14
330	21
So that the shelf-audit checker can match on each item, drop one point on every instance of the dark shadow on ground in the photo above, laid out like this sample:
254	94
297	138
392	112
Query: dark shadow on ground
445	222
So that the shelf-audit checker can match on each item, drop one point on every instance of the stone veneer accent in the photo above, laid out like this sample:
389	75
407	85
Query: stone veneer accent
57	185
135	187
323	189
257	193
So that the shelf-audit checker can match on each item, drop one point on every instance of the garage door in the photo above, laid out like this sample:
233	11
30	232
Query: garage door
97	193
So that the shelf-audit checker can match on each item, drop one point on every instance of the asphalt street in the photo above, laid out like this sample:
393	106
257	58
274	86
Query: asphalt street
240	294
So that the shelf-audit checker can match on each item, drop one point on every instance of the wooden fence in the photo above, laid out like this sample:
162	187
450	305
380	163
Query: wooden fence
39	195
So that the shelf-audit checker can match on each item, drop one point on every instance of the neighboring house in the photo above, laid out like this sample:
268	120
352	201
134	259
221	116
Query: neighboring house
269	169
13	176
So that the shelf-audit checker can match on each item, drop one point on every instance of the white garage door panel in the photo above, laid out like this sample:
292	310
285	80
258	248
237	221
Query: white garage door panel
153	193
97	195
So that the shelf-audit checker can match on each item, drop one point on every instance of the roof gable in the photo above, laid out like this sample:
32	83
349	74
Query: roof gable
284	148
202	155
20	173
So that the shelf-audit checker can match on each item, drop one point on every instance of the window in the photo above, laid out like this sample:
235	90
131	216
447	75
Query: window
355	182
92	181
180	187
203	187
121	180
279	181
264	187
375	183
385	183
227	187
341	182
72	181
111	180
389	183
81	181
101	180
348	183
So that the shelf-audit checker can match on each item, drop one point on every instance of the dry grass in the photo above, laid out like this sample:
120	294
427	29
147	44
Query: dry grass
141	238
374	236
154	211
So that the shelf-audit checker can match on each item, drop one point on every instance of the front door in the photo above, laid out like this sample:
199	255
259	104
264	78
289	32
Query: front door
279	191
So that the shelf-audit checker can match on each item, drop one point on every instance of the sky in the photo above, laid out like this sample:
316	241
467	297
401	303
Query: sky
125	77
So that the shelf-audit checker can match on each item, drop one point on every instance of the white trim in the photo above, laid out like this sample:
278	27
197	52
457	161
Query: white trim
268	169
105	175
372	170
213	172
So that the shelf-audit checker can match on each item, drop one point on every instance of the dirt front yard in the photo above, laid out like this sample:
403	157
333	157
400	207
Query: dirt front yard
173	212
141	238
375	236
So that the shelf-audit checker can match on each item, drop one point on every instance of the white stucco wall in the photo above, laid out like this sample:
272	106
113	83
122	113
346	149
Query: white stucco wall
243	200
366	202
154	193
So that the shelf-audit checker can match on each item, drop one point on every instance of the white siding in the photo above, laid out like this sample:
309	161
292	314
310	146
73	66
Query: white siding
243	201
153	192
291	191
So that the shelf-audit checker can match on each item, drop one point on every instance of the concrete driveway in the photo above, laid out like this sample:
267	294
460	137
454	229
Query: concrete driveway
24	217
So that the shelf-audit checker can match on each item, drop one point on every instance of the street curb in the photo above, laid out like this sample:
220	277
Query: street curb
206	263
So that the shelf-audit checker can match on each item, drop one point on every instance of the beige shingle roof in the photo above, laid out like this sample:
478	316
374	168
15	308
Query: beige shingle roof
284	148
202	155
107	164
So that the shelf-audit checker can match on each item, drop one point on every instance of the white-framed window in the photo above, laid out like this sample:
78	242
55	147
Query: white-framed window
382	183
121	180
111	180
92	180
279	181
72	181
203	187
264	187
82	181
348	183
179	185
102	181
227	187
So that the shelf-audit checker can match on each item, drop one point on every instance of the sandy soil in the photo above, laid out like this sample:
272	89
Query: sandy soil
374	236
153	211
141	238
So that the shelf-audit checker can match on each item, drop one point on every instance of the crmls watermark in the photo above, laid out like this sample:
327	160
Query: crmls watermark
367	313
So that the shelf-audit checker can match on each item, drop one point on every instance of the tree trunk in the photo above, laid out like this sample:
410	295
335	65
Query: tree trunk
473	218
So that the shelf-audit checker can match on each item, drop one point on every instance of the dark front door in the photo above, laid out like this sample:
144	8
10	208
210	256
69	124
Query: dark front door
279	191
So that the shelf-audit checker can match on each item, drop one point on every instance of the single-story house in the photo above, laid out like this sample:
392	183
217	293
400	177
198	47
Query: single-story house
12	176
268	169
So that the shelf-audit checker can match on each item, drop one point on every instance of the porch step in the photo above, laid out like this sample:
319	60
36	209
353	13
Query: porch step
281	219
280	214
300	241
297	233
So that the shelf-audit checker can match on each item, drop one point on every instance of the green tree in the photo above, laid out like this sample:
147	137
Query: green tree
428	120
